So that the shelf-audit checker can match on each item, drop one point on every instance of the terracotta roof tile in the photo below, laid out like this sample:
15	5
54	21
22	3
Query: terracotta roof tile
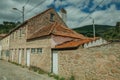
72	44
44	31
56	29
64	31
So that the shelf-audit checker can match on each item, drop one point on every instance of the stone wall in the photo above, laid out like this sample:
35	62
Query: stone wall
97	63
41	60
17	43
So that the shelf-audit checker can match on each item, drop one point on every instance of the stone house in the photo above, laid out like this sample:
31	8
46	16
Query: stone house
1	36
40	41
5	47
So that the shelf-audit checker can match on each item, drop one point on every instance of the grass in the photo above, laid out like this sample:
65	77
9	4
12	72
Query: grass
37	69
40	71
1	59
57	77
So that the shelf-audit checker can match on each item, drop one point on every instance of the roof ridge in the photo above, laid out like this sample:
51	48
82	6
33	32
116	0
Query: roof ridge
53	27
70	30
65	42
40	13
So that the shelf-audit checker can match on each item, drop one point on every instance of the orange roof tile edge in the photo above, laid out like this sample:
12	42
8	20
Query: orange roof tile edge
72	44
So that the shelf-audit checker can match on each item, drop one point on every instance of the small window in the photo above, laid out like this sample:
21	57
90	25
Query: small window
39	50
33	50
51	17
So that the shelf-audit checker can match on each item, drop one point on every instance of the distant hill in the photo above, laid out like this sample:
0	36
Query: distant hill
112	33
104	31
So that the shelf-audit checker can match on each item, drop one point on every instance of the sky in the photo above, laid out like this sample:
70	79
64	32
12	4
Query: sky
79	12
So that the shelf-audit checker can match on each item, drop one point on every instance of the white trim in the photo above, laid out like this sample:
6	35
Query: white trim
28	57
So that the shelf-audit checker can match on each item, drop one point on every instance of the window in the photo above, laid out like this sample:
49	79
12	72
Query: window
33	50
36	50
51	17
39	50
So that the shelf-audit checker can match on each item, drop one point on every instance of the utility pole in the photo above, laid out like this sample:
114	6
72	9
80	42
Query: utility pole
93	27
21	11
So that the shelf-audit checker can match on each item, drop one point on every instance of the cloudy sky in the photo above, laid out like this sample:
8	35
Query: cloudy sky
105	12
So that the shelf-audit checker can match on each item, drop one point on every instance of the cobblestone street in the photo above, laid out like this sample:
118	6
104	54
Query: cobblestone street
10	71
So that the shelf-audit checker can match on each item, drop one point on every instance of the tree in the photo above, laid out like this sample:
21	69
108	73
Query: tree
6	26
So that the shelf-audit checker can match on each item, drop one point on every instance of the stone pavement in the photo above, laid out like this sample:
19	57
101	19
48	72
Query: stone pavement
10	71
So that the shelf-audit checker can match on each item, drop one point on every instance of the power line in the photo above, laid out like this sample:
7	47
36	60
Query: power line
93	10
31	9
26	3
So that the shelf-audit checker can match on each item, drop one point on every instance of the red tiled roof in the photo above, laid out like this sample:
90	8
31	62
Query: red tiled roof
56	29
72	44
64	31
75	43
44	31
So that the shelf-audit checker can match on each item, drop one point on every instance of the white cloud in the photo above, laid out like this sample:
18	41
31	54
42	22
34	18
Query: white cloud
103	17
38	9
106	17
74	13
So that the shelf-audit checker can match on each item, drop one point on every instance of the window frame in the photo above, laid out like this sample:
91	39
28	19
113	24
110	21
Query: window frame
52	17
33	50
39	50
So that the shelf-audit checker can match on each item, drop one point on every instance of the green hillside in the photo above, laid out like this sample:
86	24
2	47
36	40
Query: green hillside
105	31
113	33
5	27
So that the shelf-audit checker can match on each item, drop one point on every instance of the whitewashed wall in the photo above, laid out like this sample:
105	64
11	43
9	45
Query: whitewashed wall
97	42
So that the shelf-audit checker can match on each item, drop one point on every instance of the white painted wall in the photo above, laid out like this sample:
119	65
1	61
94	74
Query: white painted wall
97	42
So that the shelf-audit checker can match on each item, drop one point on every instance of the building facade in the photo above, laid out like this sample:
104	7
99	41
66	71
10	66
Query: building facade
38	40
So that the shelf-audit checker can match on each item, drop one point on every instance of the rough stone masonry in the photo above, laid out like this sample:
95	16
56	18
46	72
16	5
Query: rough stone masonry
97	63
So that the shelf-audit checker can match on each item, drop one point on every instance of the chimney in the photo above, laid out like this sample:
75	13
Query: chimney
63	13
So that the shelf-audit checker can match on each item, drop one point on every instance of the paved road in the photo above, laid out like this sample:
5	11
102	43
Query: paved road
10	71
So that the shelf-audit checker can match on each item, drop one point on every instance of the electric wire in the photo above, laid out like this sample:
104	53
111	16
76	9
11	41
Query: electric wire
26	3
27	12
92	11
